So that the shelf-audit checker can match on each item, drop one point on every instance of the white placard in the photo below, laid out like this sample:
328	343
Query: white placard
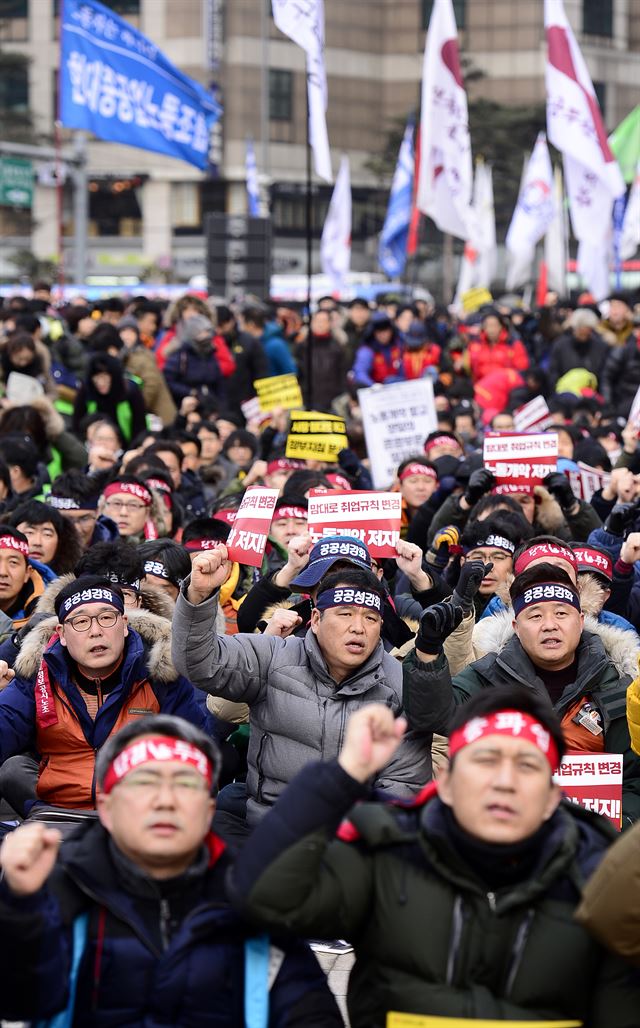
397	419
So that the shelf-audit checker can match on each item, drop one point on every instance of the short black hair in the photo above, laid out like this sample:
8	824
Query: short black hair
105	337
82	488
255	315
174	557
526	700
552	539
419	459
158	724
164	446
206	528
117	558
494	502
35	512
542	572
302	480
355	578
88	582
187	437
20	451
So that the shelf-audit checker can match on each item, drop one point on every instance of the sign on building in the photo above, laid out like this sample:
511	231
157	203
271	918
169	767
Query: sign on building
16	182
238	254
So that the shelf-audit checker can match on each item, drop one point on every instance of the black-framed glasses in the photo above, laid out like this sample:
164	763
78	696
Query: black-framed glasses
83	622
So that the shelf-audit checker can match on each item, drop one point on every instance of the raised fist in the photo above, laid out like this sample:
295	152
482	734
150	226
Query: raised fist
27	857
469	581
372	737
209	571
436	624
283	623
481	481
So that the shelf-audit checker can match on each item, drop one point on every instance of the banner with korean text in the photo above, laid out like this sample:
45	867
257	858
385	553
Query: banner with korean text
248	536
316	436
593	781
427	1021
587	480
534	416
373	518
116	83
396	418
278	391
520	460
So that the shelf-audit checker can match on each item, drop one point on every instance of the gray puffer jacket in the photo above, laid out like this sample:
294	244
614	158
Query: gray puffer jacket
297	711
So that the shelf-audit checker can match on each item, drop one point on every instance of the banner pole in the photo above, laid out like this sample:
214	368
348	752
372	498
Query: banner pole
309	228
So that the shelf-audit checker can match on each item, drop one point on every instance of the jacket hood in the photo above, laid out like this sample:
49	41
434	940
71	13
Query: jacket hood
492	634
548	517
154	631
53	422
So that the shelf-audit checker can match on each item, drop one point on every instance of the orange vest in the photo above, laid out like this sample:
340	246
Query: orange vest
66	776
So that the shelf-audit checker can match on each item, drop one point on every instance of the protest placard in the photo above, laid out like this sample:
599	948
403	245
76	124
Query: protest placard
397	419
587	480
520	460
248	536
427	1021
594	781
374	518
475	298
278	391
316	436
534	416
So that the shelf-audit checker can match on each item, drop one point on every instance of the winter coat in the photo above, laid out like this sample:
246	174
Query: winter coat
610	907
71	452
156	952
327	369
139	361
616	337
567	353
606	664
251	364
298	713
376	364
127	412
429	936
25	603
621	375
69	739
506	352
190	371
276	348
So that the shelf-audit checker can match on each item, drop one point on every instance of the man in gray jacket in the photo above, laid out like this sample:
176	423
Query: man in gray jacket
300	691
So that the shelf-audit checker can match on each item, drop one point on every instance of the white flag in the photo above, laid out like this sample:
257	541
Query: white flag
446	171
303	22
575	127
556	240
479	259
335	245
630	236
534	212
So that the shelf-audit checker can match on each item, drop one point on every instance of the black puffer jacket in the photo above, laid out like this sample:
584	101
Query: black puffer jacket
621	376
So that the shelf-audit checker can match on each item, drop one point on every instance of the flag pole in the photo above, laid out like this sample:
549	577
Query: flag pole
309	240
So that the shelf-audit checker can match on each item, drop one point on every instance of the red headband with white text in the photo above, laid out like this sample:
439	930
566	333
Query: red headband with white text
156	749
512	723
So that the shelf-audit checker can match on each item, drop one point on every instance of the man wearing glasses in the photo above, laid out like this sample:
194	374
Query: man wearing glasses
79	678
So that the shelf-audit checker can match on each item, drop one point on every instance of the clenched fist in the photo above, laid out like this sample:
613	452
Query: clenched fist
372	737
27	857
7	674
283	623
209	571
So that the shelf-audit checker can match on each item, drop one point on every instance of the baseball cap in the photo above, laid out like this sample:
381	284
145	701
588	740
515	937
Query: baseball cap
328	552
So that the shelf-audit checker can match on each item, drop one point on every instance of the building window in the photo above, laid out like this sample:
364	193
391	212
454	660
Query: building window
458	10
14	87
280	94
601	95
597	17
185	208
114	207
14	20
123	7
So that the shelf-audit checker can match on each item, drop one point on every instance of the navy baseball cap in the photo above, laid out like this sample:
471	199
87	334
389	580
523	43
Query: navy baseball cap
328	552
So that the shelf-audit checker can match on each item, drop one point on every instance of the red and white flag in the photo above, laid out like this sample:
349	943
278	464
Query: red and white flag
335	245
445	177
534	212
575	127
480	256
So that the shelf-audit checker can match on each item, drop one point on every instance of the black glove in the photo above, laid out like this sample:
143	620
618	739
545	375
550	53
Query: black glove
560	488
621	518
349	462
436	624
480	482
470	580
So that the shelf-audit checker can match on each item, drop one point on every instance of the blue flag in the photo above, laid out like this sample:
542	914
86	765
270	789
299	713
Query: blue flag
392	252
116	83
253	189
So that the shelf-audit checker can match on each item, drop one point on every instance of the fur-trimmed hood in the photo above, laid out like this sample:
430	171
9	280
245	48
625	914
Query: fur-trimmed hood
548	518
152	600
154	630
492	634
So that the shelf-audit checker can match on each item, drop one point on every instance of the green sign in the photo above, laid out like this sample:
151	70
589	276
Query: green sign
16	182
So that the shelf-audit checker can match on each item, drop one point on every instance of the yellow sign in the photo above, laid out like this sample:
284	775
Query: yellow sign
474	299
426	1021
278	391
316	436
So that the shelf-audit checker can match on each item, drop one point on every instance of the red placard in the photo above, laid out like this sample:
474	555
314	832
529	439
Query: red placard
248	536
373	518
520	460
594	781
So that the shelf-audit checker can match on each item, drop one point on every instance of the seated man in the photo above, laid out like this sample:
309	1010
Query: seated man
75	495
549	652
70	695
132	923
299	690
22	581
461	905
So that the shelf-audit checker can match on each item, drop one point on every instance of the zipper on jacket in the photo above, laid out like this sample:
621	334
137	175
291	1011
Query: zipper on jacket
259	766
518	950
165	922
491	900
456	937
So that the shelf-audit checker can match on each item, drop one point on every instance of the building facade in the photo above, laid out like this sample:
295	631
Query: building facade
146	210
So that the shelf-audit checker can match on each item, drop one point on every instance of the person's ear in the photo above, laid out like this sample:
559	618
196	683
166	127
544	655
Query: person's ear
125	620
444	785
514	625
555	795
103	806
315	620
60	631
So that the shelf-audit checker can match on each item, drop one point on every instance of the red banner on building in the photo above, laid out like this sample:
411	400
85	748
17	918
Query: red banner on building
248	536
594	781
520	460
372	517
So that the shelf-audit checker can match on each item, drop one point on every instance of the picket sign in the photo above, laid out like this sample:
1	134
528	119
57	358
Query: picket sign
373	518
397	418
520	460
248	536
593	781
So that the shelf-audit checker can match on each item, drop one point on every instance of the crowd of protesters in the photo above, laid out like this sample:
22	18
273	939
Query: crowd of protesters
204	765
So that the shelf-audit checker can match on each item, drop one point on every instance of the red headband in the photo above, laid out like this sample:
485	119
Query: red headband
593	560
289	512
512	723
417	469
440	440
202	544
9	542
284	464
154	749
340	481
542	551
132	488
227	516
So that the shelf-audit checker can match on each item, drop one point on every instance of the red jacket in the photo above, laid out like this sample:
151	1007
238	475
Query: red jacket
224	356
415	362
505	353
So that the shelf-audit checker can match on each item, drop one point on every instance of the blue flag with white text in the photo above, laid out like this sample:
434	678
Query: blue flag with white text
253	189
392	251
116	83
